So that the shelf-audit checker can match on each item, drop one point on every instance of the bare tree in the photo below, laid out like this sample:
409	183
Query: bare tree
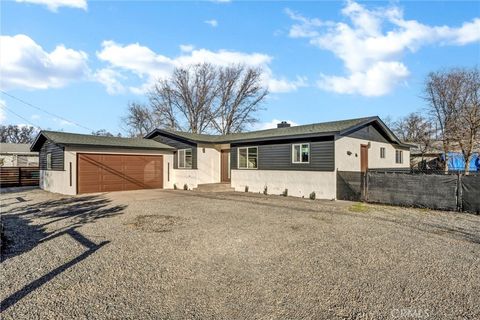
139	120
17	134
201	98
105	133
240	93
416	129
444	95
467	130
184	101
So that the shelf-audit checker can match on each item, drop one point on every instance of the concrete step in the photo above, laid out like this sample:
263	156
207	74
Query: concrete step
214	187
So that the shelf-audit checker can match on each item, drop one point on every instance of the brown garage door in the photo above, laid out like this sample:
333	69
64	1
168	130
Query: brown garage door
109	172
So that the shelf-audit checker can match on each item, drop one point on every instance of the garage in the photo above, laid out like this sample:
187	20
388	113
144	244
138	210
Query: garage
118	172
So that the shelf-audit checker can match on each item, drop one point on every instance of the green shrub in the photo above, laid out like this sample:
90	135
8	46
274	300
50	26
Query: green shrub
246	188
285	193
313	195
185	186
265	190
175	186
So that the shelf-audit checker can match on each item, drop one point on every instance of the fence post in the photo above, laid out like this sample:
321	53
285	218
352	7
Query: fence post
365	187
459	192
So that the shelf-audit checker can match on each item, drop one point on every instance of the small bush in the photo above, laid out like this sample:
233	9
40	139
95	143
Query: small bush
265	190
175	186
185	186
313	195
246	188
285	193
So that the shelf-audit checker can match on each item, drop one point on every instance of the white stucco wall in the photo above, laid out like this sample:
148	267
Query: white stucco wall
208	169
345	162
59	181
298	183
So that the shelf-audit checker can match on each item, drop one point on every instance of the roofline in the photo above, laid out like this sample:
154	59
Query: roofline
42	133
112	147
368	120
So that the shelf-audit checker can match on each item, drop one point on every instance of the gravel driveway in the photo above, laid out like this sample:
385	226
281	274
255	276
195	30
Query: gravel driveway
162	254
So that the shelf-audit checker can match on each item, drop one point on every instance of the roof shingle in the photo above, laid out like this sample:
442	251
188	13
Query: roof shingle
76	139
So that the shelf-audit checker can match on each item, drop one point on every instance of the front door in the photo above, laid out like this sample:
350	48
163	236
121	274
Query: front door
225	166
363	158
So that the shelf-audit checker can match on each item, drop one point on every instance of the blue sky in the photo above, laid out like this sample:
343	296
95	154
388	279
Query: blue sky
324	60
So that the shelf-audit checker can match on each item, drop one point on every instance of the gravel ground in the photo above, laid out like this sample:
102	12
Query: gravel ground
162	254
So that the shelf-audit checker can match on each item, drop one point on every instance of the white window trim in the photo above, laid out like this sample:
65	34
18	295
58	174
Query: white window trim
49	163
293	153
400	153
238	158
384	153
184	159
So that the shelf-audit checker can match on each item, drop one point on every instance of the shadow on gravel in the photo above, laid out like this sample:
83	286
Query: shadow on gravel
22	235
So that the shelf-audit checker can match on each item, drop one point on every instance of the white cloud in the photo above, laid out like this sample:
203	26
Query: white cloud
3	116
372	43
25	64
110	78
53	5
271	124
377	80
284	85
187	47
149	66
212	22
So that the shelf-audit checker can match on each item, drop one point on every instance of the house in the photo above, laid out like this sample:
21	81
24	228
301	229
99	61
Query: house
301	159
17	155
433	158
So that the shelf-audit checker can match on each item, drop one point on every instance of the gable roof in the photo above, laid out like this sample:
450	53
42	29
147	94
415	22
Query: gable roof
75	139
342	127
18	148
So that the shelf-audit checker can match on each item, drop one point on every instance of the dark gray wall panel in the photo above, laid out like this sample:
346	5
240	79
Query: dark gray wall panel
57	156
416	190
368	132
179	144
471	193
350	185
278	156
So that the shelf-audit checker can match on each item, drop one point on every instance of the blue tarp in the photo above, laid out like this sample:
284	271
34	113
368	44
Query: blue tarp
457	162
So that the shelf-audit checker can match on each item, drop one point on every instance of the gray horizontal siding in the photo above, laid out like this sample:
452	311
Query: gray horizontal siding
58	156
178	144
278	156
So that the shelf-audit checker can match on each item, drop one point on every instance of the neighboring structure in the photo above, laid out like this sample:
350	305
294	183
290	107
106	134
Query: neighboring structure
17	155
301	159
433	158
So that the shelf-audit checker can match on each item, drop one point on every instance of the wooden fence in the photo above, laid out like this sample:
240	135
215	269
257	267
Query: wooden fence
19	176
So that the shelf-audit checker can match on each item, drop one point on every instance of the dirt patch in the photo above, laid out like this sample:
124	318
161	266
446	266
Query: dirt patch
155	223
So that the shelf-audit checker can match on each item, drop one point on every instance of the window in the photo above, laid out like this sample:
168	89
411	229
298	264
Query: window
185	159
49	161
248	158
398	156
301	153
382	152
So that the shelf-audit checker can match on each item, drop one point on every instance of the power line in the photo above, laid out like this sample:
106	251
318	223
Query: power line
43	110
21	117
